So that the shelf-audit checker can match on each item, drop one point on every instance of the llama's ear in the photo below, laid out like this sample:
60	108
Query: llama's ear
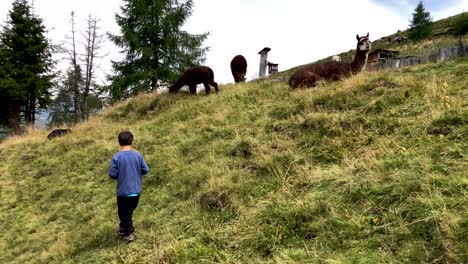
357	37
367	34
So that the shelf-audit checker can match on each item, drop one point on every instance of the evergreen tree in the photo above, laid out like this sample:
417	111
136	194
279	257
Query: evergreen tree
26	61
460	26
63	107
156	50
421	25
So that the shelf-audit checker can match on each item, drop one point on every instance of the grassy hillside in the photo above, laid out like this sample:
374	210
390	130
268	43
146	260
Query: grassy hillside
373	169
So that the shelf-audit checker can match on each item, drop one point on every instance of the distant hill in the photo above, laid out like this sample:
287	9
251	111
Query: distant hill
442	36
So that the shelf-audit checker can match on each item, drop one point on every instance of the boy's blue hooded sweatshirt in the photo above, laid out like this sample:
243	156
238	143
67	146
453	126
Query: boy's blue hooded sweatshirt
127	167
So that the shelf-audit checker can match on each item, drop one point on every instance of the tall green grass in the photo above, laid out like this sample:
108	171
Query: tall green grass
372	169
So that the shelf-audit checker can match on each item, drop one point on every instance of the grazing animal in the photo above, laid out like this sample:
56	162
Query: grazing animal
194	76
239	68
58	133
308	75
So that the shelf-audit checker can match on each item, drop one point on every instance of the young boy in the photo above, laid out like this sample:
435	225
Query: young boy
127	167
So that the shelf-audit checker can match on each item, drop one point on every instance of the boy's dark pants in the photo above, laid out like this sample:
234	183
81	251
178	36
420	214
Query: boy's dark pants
126	206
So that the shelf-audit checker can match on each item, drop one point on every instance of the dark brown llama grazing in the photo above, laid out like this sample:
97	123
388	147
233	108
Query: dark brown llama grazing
194	76
308	75
239	68
59	132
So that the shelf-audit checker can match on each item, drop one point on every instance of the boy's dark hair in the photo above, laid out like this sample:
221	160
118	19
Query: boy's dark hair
125	138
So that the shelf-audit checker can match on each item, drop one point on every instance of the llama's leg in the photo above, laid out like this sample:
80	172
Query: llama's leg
207	88
309	80
292	82
215	85
193	89
174	88
335	77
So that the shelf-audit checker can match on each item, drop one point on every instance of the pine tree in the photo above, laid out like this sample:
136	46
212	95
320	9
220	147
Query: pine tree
155	47
421	25
460	27
62	109
26	62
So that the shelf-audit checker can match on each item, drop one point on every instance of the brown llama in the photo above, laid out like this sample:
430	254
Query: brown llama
194	76
307	75
239	68
59	132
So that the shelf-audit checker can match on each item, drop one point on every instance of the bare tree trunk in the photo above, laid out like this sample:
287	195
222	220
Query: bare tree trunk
33	113
27	112
14	119
31	110
75	83
93	45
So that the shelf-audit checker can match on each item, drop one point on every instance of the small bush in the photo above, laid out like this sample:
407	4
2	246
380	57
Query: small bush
242	148
217	200
447	122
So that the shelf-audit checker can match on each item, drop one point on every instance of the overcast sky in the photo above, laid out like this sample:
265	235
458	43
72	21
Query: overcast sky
297	31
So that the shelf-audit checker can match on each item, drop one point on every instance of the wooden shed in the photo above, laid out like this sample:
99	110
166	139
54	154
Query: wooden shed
377	54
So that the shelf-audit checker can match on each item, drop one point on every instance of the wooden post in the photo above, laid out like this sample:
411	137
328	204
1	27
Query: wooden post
263	62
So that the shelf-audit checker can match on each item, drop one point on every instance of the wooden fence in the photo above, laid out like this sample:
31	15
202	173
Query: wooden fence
443	54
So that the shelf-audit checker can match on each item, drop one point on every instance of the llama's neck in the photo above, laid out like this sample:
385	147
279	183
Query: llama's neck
359	62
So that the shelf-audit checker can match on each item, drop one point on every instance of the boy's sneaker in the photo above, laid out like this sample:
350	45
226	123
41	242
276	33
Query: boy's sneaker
129	238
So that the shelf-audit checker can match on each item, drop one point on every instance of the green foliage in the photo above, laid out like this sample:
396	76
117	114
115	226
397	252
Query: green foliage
421	25
448	122
156	49
367	170
61	110
460	25
26	61
62	106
